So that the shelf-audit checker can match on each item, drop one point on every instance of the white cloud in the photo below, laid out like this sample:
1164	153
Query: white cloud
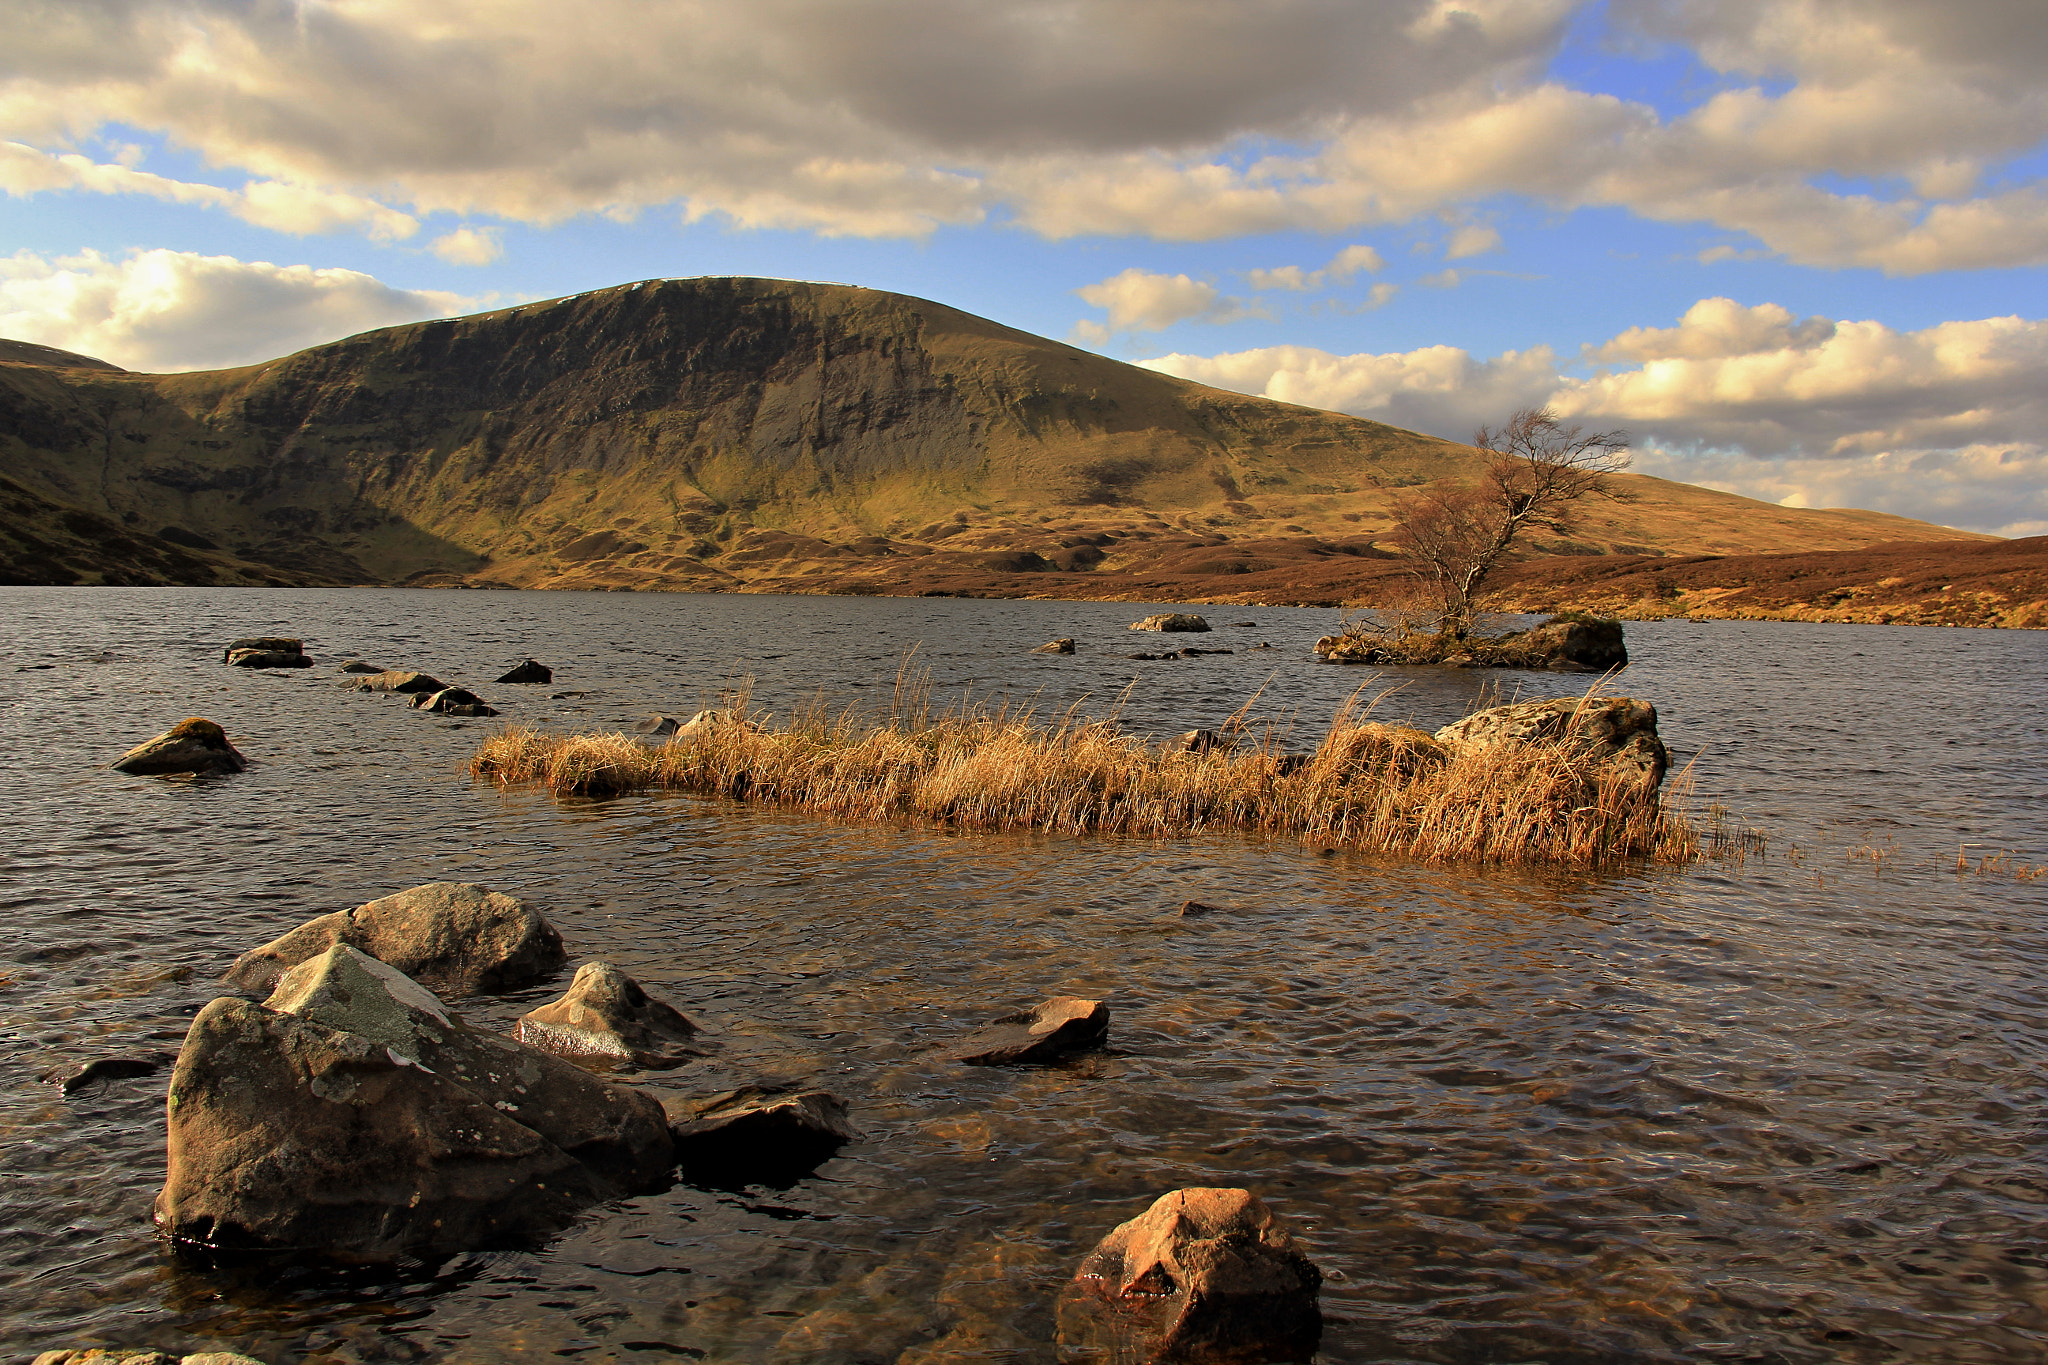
1943	423
173	310
1471	240
469	246
1142	301
1342	268
894	117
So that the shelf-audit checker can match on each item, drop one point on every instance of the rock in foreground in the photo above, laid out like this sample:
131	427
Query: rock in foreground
606	1019
192	745
1203	1277
1172	620
1044	1033
456	938
1616	733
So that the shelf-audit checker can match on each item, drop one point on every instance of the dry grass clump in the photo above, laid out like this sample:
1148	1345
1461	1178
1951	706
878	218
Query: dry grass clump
1367	786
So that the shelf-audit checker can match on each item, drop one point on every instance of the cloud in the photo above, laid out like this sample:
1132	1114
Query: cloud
1069	117
469	246
1943	423
1141	301
1471	240
174	310
1342	267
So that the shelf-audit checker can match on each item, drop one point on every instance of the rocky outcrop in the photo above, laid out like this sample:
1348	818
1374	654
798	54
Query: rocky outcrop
757	1131
453	701
607	1019
1063	645
457	938
266	658
1203	1277
1172	620
192	746
1046	1032
268	644
1577	644
397	680
1615	734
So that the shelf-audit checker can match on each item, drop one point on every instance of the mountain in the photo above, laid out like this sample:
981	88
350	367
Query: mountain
736	434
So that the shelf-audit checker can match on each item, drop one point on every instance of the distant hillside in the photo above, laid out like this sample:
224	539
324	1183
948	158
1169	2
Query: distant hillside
734	434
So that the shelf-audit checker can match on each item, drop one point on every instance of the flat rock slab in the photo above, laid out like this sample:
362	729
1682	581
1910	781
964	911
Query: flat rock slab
193	746
1204	1276
456	938
607	1019
1044	1033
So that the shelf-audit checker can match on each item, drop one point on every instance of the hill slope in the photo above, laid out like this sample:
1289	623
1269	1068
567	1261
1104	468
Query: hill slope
740	434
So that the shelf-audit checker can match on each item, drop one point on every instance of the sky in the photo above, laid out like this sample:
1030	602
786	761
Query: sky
1798	249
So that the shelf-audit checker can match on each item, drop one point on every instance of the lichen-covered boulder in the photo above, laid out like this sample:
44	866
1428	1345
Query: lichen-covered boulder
607	1019
528	672
453	701
397	680
267	658
456	938
618	1133
1203	1277
1615	734
277	644
193	745
1044	1033
1171	620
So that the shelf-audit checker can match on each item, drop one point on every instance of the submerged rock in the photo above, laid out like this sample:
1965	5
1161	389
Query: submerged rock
193	745
1063	645
1172	620
358	666
1616	733
769	1134
453	701
606	1018
397	680
267	658
457	938
78	1075
1044	1033
1203	1277
528	672
276	644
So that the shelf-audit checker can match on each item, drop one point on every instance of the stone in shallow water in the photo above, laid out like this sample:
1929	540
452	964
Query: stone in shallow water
192	746
607	1019
1171	620
456	938
758	1134
528	672
453	701
1063	645
1615	733
397	680
267	658
1044	1033
1203	1277
358	666
280	644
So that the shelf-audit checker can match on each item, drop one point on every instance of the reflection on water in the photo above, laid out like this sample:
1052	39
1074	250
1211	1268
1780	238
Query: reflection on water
1785	1109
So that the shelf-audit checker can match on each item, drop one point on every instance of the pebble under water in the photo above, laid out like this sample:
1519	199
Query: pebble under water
1785	1105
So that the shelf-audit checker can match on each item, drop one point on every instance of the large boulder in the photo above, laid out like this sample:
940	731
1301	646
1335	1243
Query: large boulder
1380	751
1562	645
1044	1033
192	745
1617	734
277	644
397	680
266	658
1203	1277
619	1134
528	672
285	1134
606	1019
453	701
758	1133
457	938
1172	620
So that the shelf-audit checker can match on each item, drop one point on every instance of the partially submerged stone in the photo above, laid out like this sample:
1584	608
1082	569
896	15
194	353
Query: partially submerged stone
1171	620
456	938
358	666
280	644
607	1019
759	1131
193	745
1562	645
1044	1033
1063	645
528	672
267	658
453	701
397	680
1618	734
1203	1277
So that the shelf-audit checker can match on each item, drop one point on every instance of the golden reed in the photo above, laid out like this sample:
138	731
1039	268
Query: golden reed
1367	786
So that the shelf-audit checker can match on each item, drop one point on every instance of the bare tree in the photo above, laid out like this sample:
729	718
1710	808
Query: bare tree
1456	538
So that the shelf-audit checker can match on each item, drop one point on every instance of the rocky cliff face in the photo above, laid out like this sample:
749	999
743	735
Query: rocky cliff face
724	433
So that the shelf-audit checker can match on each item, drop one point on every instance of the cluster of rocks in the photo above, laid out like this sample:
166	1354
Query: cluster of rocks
428	693
1573	644
1165	621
